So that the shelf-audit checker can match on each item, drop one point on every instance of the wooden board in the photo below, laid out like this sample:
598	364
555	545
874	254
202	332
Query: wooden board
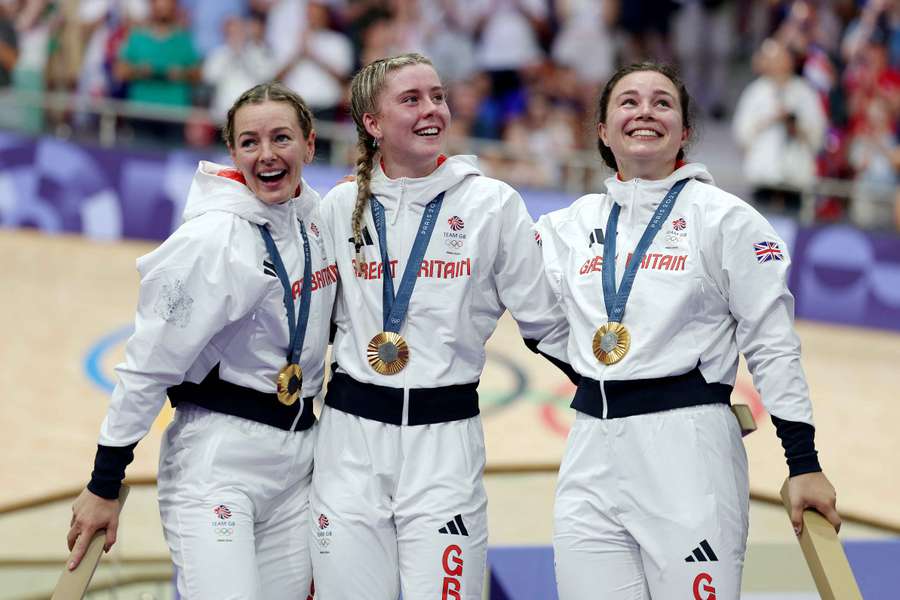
73	584
825	555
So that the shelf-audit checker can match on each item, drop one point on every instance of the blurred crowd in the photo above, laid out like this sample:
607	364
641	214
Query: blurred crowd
824	103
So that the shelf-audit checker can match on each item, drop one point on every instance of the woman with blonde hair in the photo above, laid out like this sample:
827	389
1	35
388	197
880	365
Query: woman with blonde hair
398	501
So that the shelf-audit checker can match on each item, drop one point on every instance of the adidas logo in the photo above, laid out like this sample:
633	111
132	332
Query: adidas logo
367	239
269	268
702	553
454	527
596	237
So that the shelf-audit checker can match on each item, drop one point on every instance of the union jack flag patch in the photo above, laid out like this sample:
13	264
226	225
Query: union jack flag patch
767	251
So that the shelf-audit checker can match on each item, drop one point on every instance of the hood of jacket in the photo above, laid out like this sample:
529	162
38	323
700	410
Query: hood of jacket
419	191
640	197
221	188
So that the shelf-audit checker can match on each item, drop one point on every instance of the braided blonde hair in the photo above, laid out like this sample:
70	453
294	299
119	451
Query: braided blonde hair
365	90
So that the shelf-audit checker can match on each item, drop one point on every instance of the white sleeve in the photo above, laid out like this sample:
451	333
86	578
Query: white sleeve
191	288
545	236
763	306
522	283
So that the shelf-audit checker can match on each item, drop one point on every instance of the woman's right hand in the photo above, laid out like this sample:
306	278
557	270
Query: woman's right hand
91	513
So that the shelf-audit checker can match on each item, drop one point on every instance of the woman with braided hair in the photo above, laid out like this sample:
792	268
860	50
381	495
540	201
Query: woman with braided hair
397	501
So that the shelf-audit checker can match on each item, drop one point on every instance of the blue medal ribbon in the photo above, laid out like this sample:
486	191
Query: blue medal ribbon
297	333
394	307
615	300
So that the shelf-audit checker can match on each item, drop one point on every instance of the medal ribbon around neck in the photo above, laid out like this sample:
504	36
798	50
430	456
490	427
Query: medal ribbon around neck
290	378
388	352
612	340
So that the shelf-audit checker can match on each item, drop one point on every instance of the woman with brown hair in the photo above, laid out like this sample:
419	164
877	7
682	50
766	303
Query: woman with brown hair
664	280
232	324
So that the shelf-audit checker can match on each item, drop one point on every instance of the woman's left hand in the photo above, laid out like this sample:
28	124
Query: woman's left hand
812	490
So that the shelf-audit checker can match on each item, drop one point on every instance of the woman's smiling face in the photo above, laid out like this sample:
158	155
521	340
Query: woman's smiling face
270	149
411	122
644	126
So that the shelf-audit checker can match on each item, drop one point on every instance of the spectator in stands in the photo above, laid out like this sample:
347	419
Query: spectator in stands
448	38
208	20
878	20
646	25
875	157
244	60
160	64
508	34
704	36
104	22
474	115
586	32
867	76
9	47
377	38
541	139
779	124
321	64
356	16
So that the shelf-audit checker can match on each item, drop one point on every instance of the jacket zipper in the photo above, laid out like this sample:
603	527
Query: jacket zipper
403	218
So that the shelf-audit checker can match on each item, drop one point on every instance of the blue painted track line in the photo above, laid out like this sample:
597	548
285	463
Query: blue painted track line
94	358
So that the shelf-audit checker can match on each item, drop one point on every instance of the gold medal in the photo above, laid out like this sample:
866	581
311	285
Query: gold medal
611	343
388	353
289	384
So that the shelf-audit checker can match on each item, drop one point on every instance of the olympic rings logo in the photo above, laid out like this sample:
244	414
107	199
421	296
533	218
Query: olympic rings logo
224	531
457	244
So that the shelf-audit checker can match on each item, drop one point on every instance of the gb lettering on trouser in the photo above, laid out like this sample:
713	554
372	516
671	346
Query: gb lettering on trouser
452	562
703	590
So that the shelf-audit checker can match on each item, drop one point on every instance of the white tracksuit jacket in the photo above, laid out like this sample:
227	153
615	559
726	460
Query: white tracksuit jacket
206	299
701	295
481	260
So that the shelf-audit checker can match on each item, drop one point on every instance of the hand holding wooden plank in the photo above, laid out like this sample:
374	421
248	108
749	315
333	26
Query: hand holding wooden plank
87	544
823	551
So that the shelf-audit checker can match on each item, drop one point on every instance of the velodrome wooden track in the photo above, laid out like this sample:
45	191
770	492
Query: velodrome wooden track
61	295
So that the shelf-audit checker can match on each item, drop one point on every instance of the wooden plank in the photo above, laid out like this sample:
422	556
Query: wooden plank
825	555
745	419
72	585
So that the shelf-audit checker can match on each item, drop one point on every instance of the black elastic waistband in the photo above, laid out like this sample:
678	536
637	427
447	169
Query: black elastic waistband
385	404
643	396
231	399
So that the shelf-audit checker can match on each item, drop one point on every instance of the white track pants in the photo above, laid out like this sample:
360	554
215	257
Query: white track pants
652	506
398	507
233	497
